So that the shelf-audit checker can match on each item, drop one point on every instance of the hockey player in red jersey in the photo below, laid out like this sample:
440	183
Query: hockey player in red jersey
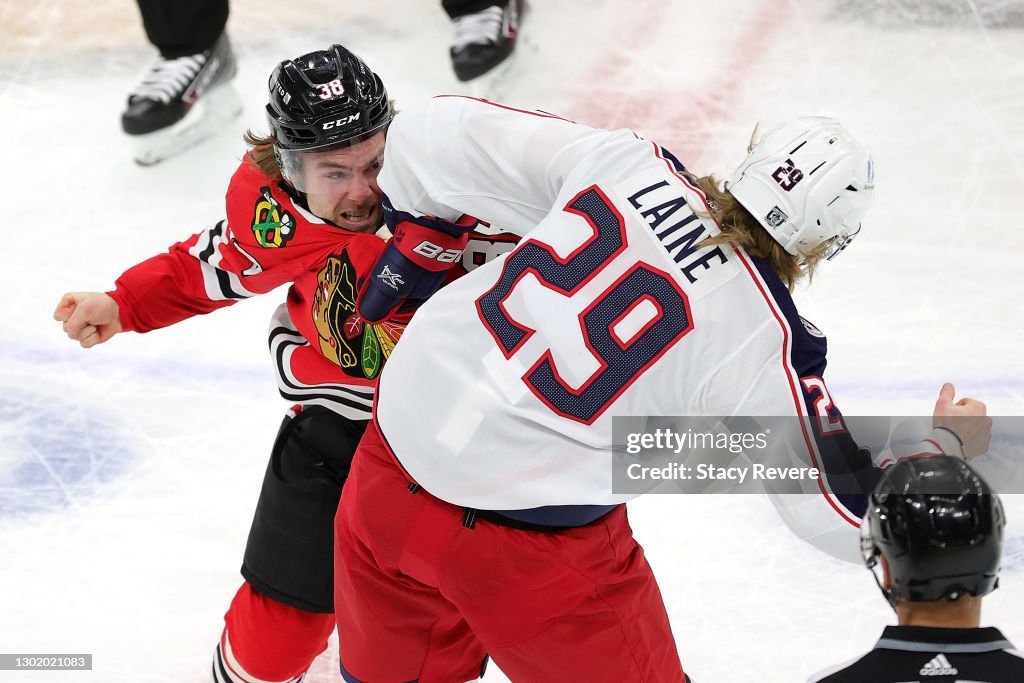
484	519
303	209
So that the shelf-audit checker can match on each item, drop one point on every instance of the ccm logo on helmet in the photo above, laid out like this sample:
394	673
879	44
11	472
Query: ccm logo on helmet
437	253
341	122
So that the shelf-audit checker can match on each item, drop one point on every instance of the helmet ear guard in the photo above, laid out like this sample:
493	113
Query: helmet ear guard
808	183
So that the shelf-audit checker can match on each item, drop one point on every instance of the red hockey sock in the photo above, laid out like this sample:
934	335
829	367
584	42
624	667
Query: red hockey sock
266	641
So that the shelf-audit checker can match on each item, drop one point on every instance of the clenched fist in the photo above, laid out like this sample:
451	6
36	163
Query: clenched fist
89	318
967	418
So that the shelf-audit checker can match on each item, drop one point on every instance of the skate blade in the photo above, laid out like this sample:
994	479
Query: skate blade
212	112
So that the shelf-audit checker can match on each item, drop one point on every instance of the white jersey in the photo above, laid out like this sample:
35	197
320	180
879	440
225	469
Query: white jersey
502	391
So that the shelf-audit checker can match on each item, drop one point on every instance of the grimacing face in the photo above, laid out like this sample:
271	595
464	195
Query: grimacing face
341	184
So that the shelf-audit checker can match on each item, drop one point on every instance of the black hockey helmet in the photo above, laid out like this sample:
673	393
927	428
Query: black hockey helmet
939	527
325	99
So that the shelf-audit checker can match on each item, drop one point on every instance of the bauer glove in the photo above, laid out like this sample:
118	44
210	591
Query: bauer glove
414	262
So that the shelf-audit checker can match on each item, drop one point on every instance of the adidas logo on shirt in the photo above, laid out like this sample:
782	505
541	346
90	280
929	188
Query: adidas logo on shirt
939	666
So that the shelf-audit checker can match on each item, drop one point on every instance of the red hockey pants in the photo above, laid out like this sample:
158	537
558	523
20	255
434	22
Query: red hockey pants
421	597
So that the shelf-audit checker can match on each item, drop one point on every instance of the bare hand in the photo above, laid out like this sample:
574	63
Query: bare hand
967	418
89	318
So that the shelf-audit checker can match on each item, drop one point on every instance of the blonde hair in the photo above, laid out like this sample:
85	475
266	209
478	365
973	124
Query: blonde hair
261	154
741	229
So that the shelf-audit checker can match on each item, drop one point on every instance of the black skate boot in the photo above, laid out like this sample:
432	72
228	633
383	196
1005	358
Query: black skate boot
181	102
484	39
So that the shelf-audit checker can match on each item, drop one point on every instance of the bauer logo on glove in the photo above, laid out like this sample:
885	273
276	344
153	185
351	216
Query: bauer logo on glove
429	250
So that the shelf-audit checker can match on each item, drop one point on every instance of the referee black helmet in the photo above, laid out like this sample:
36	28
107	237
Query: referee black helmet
939	527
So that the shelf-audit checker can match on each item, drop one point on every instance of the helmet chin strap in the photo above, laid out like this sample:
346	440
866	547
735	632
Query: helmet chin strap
297	196
874	564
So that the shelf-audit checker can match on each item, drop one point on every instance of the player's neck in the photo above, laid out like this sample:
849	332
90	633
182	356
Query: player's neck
964	613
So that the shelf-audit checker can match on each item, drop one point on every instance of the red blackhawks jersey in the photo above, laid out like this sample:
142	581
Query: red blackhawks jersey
323	352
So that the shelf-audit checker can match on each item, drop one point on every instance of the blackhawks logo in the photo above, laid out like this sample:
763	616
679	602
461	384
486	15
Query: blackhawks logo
271	226
359	348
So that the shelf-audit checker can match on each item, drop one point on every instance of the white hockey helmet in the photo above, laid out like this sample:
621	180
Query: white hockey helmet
806	181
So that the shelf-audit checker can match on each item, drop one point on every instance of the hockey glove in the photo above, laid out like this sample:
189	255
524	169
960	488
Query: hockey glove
414	263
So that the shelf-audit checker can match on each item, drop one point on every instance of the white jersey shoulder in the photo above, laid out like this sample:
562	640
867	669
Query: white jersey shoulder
506	165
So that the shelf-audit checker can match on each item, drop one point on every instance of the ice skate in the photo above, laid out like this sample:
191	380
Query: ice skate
181	102
483	40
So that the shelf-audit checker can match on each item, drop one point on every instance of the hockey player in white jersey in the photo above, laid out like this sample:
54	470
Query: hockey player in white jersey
480	516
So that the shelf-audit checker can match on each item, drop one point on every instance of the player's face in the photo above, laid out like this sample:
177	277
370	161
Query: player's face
341	185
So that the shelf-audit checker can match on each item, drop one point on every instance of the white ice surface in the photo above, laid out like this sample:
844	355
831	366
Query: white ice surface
128	473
